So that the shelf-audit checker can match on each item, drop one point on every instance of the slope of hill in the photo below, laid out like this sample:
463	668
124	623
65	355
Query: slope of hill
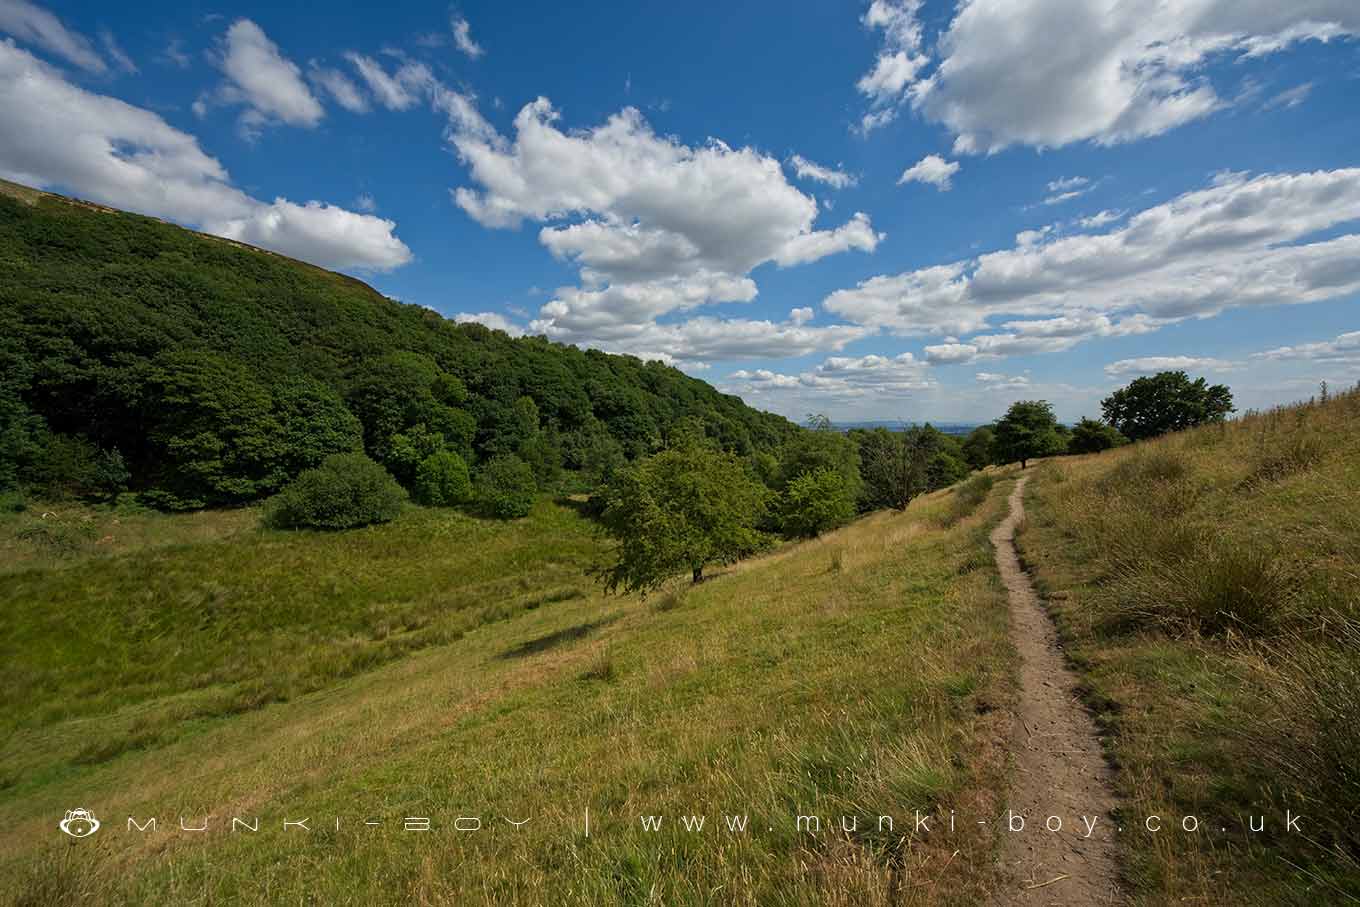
1206	586
244	672
216	370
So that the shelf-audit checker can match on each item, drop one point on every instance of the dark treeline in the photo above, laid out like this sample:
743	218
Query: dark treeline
138	355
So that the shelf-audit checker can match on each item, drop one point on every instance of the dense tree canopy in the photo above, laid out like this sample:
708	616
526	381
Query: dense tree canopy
1090	436
1028	430
217	372
680	510
1165	402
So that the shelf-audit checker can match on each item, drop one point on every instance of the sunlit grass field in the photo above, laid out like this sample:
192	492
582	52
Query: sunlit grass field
451	668
1206	583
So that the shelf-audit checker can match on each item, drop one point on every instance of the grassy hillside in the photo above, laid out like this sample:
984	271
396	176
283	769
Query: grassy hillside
1206	585
216	370
197	664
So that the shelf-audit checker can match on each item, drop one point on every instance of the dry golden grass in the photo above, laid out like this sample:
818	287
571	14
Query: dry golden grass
863	672
1205	583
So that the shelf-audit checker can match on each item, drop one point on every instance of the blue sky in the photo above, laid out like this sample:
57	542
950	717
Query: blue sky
887	210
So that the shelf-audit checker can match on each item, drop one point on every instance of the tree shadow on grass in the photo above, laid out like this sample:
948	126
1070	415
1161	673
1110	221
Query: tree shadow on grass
558	638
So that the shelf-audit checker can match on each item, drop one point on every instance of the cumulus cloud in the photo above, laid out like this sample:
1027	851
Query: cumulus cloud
997	381
33	24
655	227
61	136
400	90
1099	219
1239	242
1343	348
269	84
1151	365
462	38
898	63
805	169
932	170
839	378
1048	73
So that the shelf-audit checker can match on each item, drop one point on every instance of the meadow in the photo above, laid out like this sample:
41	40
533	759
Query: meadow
446	667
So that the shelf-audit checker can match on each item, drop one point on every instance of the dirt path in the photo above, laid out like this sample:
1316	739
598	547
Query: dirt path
1059	769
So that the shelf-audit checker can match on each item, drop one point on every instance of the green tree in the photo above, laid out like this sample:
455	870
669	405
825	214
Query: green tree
315	423
1028	430
217	431
681	509
820	446
814	503
977	447
893	468
345	491
1090	436
506	487
1168	401
442	480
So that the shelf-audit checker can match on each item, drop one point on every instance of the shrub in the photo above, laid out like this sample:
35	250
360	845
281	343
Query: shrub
345	491
506	487
1090	436
442	480
815	502
968	496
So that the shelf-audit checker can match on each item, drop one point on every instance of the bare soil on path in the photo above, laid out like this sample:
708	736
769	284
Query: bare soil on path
1058	767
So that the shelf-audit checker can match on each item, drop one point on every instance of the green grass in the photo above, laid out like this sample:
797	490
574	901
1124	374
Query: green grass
229	670
1205	584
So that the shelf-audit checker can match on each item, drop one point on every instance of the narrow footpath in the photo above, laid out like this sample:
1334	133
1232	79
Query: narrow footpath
1059	772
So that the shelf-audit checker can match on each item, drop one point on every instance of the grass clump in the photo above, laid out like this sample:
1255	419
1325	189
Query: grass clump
967	496
346	491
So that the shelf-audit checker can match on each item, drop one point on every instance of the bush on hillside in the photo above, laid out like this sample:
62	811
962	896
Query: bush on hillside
814	503
345	491
506	488
442	480
1090	436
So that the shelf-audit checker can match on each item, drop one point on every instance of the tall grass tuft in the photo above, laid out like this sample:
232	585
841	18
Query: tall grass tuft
967	496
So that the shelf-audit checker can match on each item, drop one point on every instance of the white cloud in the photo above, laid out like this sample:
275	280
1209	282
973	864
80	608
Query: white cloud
1291	97
1234	244
1049	73
174	54
899	62
996	381
366	202
1343	348
32	24
493	320
397	91
266	82
1064	190
655	226
462	38
1150	365
807	170
340	87
62	136
838	378
1100	219
115	51
931	169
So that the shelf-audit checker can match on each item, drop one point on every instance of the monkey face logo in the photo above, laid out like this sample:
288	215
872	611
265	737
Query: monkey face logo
79	823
